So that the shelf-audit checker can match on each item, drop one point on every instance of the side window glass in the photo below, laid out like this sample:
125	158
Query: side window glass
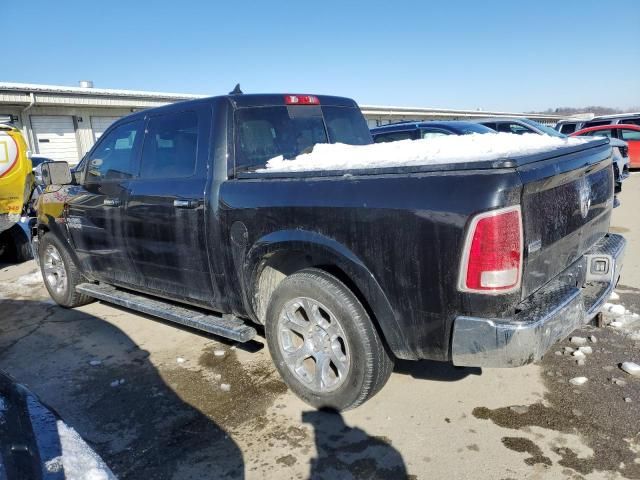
568	128
601	133
518	129
432	134
393	137
114	157
629	134
170	146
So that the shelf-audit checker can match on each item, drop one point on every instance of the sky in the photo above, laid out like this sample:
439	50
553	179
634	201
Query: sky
489	55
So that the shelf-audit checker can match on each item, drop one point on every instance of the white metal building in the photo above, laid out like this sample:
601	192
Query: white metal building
64	122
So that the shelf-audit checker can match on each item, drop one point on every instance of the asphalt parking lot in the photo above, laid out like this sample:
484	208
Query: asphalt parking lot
161	402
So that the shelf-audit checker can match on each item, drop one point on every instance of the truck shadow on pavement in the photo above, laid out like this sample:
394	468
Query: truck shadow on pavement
105	387
162	424
432	370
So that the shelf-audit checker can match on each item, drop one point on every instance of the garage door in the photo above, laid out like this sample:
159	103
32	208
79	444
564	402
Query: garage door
100	124
55	137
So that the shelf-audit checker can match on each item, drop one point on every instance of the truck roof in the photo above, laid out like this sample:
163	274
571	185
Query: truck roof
244	100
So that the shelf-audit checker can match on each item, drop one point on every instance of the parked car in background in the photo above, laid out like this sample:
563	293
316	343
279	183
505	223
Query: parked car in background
628	133
37	160
16	184
517	125
620	119
572	125
415	130
620	160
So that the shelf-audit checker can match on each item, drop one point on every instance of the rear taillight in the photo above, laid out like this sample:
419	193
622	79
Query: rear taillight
492	254
301	100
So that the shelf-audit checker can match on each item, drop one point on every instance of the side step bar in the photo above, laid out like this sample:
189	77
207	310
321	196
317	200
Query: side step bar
228	326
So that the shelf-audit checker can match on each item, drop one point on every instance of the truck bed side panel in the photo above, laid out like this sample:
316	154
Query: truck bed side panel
406	229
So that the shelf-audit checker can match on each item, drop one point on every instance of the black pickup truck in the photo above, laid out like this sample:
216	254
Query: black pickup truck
483	263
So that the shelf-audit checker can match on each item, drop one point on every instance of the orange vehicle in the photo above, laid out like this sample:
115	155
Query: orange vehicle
626	132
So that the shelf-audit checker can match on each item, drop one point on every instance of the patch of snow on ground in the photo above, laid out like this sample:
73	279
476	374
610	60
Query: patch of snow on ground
445	149
30	280
618	317
79	460
21	287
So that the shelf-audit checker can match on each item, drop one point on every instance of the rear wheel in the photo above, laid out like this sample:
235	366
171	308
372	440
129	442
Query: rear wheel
323	342
60	274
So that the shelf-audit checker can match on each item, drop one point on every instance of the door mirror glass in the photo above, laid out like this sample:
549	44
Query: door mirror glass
55	173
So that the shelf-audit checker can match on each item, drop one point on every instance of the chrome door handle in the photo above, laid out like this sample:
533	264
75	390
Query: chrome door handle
111	202
185	203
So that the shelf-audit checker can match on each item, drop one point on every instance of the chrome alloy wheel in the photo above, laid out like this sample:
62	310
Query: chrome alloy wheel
313	344
55	273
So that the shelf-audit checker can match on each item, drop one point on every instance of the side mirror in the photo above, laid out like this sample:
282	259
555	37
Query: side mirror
56	173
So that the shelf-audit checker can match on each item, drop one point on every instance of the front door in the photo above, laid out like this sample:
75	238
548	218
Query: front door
95	216
165	212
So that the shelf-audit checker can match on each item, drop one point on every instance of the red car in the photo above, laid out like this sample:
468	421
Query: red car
628	133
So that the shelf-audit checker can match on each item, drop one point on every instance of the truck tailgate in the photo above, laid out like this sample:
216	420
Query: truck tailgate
566	209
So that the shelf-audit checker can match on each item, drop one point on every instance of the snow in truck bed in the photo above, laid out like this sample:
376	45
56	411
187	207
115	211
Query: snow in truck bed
410	153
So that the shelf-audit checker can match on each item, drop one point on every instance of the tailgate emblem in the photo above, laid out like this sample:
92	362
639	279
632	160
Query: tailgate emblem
584	192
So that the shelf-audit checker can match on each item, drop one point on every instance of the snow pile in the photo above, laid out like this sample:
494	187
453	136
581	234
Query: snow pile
80	462
578	380
619	317
30	280
631	368
445	149
25	286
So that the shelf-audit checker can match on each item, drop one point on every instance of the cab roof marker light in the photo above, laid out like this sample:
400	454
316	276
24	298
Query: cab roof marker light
301	100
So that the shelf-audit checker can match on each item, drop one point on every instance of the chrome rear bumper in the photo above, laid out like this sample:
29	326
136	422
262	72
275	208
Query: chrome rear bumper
546	317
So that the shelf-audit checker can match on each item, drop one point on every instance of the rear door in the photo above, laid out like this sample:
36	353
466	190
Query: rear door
165	213
95	215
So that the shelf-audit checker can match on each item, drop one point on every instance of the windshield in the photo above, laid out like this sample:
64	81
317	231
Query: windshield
544	128
263	133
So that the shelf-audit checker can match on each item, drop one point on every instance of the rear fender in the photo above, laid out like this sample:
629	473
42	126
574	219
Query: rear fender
318	250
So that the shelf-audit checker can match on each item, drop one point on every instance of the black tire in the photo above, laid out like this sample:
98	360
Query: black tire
15	245
370	365
21	245
68	297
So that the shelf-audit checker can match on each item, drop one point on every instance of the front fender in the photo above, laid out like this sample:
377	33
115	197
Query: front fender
51	219
324	251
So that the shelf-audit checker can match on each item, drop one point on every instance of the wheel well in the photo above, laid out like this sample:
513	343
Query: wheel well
282	264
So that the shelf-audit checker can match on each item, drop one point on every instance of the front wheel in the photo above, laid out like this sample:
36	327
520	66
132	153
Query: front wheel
60	274
323	342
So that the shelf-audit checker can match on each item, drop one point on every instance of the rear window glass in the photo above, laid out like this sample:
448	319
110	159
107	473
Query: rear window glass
568	128
263	133
597	123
